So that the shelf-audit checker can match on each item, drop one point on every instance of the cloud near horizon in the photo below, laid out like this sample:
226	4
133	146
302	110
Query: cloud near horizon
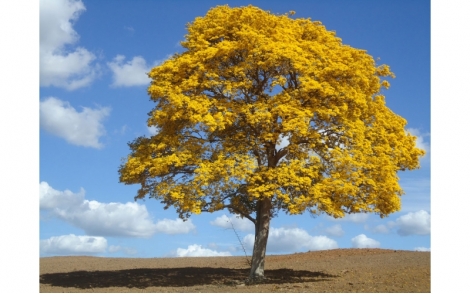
73	245
292	240
61	64
362	241
196	250
424	249
106	219
83	128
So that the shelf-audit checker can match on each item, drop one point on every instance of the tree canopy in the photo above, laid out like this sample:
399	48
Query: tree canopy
249	80
265	107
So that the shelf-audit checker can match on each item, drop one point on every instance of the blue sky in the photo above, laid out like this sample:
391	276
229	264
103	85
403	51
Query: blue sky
93	100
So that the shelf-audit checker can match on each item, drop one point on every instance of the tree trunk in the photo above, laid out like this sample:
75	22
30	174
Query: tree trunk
263	218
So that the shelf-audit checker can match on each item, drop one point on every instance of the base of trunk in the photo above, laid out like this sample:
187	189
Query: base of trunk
263	218
251	280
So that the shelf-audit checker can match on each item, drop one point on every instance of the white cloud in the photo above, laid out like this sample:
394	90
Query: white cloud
198	250
414	223
60	65
78	128
239	223
420	143
172	227
422	249
106	219
71	244
283	143
353	217
335	231
153	130
131	73
291	240
50	199
361	241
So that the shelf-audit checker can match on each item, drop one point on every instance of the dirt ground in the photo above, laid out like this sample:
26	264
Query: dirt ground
339	270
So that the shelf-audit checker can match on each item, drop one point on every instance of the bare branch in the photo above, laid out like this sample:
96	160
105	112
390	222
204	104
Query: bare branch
241	213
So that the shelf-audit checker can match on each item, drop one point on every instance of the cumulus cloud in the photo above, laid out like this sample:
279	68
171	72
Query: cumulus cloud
414	223
422	249
335	231
61	64
362	241
239	223
130	73
172	227
78	128
71	244
291	240
106	219
420	143
50	199
197	250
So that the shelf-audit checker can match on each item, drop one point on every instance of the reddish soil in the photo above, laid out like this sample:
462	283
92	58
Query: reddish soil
339	270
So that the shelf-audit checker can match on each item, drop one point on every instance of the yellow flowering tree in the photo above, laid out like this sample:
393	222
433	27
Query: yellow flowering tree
264	113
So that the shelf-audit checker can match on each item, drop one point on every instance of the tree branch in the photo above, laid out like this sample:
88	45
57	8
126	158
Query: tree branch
241	213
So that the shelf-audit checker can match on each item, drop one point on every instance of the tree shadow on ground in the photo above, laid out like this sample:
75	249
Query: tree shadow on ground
174	277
